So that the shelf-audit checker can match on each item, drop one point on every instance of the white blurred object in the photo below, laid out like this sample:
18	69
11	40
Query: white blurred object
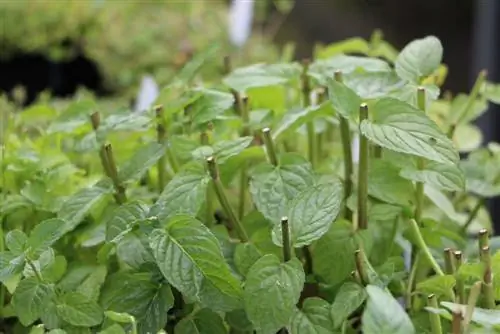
148	92
240	21
355	149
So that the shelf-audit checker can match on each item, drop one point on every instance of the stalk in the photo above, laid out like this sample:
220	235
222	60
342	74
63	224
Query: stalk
473	215
161	136
209	218
411	280
270	147
119	188
449	264
244	112
95	119
363	173
35	270
456	322
306	97
227	65
483	239
487	289
474	293
345	135
423	247
360	266
219	191
460	285
285	233
434	319
420	164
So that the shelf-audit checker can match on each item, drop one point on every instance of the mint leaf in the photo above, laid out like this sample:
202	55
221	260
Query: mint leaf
202	276
402	128
245	255
209	105
311	214
91	285
314	317
344	100
383	314
122	219
271	291
30	298
273	188
261	75
16	241
347	300
78	310
10	265
141	161
441	286
440	176
296	117
184	194
133	249
419	58
385	184
45	235
204	321
372	85
156	314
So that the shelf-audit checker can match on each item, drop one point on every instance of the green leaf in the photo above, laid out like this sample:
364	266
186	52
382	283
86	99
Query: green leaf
204	321
383	314
344	100
402	128
113	329
314	318
184	194
408	94
349	45
126	121
333	253
372	85
78	310
45	235
245	255
77	206
483	317
262	75
386	185
30	298
133	249
202	276
419	58
10	265
209	105
438	285
223	150
122	219
273	188
348	299
124	318
238	319
471	271
54	272
156	315
440	176
491	91
141	161
271	291
311	213
459	105
16	241
91	286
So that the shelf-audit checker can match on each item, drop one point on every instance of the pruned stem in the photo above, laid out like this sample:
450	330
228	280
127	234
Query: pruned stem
119	187
161	136
487	289
460	285
363	173
474	293
483	239
270	147
449	262
456	322
224	202
434	319
285	234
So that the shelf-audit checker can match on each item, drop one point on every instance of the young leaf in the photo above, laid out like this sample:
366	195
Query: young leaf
383	314
184	194
483	317
222	150
372	85
438	285
314	317
402	128
273	188
122	218
156	314
344	100
261	75
30	298
141	161
119	317
10	265
204	321
419	58
91	286
386	185
245	255
408	94
44	235
78	310
201	276
440	176
311	213
271	291
209	105
16	241
348	299
133	249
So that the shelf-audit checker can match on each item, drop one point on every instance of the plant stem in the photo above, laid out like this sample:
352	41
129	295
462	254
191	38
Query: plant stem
345	135
488	291
460	285
435	319
270	147
411	280
456	323
243	105
306	98
95	119
473	215
483	239
377	151
285	233
35	270
449	263
360	266
363	173
419	195
161	134
227	67
119	188
219	191
308	266
474	293
423	247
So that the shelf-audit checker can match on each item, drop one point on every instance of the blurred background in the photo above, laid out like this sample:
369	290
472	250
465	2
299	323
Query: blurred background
107	46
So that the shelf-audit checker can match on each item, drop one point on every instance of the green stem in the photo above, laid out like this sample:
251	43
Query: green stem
2	248
209	206
449	262
483	239
456	322
95	119
227	67
363	173
377	151
285	234
35	270
460	285
161	136
360	266
270	147
224	202
488	290
474	293
473	215
420	243
119	188
306	97
420	164
243	175
435	319
412	281
308	266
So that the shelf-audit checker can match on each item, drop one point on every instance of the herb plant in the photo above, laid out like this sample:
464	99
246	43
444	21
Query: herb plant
326	196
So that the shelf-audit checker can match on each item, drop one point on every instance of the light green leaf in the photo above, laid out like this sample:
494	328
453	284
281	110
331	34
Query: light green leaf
30	298
440	176
209	105
141	161
273	188
313	318
386	185
372	85
483	317
113	329
348	299
201	276
458	108
491	91
16	241
10	265
350	45
126	121
467	137
223	150
443	203
45	261
262	75
245	255
91	286
402	128
133	249
344	100
272	290
333	253
383	314
45	235
55	271
79	310
124	318
204	321
311	213
408	94
184	194
419	58
438	285
122	219
472	270
77	206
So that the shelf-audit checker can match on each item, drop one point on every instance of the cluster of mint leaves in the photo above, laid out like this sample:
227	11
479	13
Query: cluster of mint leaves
326	196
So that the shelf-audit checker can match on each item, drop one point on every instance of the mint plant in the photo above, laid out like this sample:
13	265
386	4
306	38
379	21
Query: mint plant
322	196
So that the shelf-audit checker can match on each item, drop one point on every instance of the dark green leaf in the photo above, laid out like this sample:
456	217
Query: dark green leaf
134	250
314	318
30	298
16	241
386	185
44	235
122	219
78	310
204	321
156	315
141	161
348	299
245	256
419	58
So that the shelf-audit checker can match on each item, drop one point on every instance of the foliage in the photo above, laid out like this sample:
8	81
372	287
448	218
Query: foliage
246	204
